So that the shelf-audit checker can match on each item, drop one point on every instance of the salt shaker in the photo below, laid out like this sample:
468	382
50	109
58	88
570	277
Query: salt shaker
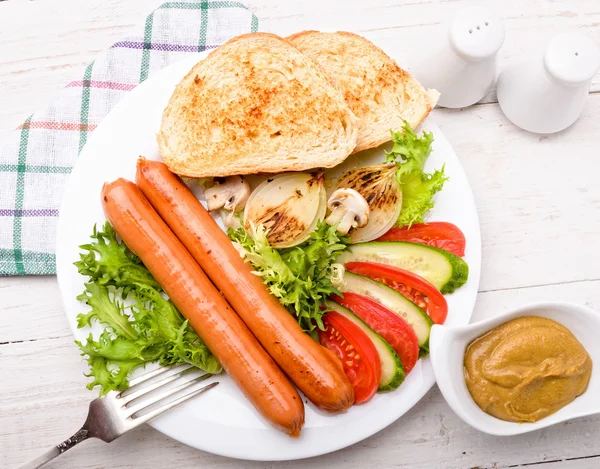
546	93
462	65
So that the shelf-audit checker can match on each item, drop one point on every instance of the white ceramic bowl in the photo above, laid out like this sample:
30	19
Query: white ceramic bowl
448	345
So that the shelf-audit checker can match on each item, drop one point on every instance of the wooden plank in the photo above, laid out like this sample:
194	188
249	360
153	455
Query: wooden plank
31	309
45	399
537	196
51	53
576	463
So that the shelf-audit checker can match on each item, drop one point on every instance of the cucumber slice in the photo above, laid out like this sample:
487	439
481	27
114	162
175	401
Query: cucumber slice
394	301
392	371
443	269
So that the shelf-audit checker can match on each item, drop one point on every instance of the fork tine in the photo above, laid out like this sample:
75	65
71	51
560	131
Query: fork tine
131	396
147	402
170	405
151	374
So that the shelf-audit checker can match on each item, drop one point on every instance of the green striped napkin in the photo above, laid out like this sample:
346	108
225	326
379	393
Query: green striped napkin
36	158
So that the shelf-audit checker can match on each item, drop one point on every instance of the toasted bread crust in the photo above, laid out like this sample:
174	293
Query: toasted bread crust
379	92
255	104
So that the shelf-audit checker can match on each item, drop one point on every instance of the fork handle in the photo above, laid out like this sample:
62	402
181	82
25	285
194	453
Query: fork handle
59	449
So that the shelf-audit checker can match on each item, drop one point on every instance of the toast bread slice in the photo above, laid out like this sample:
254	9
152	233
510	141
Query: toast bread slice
255	104
379	92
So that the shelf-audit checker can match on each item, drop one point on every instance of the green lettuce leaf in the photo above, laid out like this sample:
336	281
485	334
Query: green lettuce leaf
105	310
300	277
410	153
108	262
410	149
141	325
418	189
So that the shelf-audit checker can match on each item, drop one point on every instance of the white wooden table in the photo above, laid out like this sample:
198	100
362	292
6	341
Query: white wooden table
538	200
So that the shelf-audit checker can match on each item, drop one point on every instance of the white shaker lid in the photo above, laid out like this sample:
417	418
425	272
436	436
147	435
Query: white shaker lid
572	58
476	33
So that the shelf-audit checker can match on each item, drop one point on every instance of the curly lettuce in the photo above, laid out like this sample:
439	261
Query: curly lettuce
301	276
141	324
410	152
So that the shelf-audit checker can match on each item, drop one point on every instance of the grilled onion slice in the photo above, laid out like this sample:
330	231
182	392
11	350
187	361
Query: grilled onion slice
379	187
289	206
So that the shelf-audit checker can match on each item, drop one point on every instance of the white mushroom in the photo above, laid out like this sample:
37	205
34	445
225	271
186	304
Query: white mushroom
349	210
230	193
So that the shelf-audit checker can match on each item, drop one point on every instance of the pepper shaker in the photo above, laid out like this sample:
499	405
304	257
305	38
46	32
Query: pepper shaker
546	93
462	67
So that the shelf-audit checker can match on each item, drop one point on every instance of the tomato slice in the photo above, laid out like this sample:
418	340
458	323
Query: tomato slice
395	330
415	288
439	234
356	351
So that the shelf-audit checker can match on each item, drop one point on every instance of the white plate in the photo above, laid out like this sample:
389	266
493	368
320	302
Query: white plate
222	421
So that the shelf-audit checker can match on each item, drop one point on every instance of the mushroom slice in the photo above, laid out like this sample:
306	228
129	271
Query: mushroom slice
349	210
230	193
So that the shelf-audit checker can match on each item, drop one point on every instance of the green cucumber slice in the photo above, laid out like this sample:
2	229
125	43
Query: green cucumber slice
443	269
394	301
392	371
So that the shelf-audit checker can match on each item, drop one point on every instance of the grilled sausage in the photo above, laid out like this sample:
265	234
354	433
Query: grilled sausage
317	373
224	333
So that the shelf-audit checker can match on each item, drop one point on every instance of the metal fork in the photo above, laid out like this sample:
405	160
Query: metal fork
117	412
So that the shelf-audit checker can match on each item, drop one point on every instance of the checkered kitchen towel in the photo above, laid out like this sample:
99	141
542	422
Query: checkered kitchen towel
36	159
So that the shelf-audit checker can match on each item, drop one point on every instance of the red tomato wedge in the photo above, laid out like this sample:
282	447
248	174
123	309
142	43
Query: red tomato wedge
359	356
395	330
439	234
410	285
